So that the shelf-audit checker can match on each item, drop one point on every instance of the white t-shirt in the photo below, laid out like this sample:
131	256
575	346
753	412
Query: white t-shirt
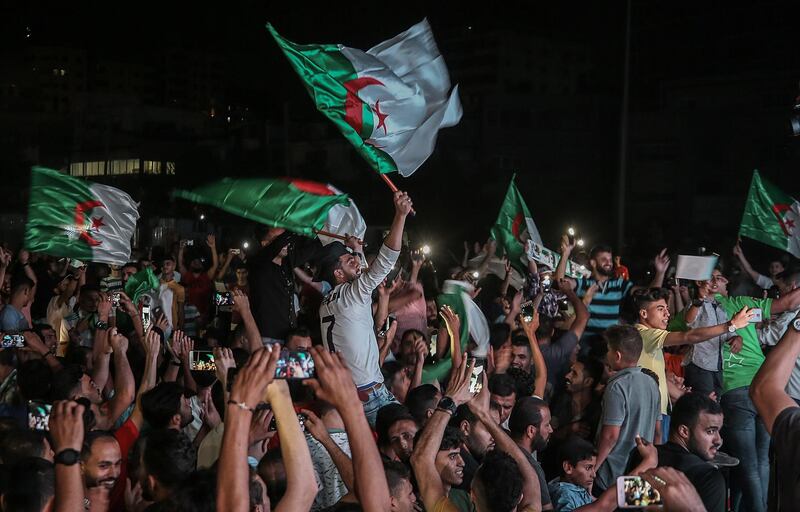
346	319
56	315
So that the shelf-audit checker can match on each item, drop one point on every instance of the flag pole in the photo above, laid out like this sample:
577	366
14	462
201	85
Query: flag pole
393	188
334	235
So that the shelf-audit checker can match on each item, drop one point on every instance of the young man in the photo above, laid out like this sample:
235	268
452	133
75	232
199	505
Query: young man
198	283
396	429
652	319
573	489
529	426
503	393
299	339
776	266
346	313
100	464
630	405
694	439
576	412
477	442
401	492
12	318
172	296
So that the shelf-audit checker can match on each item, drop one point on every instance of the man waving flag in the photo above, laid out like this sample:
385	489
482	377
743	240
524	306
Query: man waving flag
771	216
389	101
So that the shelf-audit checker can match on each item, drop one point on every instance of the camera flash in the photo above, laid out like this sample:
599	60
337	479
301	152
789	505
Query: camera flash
426	249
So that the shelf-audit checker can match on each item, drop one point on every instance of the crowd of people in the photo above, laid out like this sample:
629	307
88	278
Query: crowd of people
339	380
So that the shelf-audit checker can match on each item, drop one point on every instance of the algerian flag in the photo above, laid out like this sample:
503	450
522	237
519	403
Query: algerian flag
771	217
141	283
389	101
79	219
514	226
343	219
297	205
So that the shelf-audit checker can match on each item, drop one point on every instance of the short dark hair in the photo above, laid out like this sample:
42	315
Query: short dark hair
19	283
66	381
420	399
169	457
575	450
626	340
597	249
451	438
591	367
37	477
687	409
498	334
89	440
390	369
527	411
521	341
414	331
35	379
641	299
524	382
161	403
387	416
396	472
463	413
498	482
300	331
19	444
502	384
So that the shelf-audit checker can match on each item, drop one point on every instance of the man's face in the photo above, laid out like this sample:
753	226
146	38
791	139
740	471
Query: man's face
168	267
186	412
196	265
718	283
90	390
407	352
521	358
49	338
655	315
89	301
431	312
241	275
775	268
705	440
350	268
450	466
583	473
401	438
403	498
543	432
127	272
299	343
505	404
602	264
479	440
102	467
576	379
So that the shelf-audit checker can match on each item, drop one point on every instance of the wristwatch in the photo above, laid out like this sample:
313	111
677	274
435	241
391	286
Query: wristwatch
67	457
103	326
448	405
731	327
796	324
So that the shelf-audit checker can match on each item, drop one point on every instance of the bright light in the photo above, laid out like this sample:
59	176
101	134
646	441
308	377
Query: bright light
202	217
246	245
582	267
571	231
426	249
476	274
580	242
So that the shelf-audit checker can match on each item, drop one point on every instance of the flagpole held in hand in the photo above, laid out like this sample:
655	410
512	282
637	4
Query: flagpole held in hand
393	188
334	235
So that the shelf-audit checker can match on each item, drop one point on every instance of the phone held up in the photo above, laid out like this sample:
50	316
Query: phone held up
636	492
13	341
292	365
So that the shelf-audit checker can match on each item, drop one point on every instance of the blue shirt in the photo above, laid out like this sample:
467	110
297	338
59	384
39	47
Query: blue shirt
567	496
12	320
604	308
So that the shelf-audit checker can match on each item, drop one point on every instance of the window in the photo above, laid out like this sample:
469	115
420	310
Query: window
95	168
76	169
170	167
152	167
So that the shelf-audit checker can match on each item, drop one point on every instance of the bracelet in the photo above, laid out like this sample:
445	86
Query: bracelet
241	405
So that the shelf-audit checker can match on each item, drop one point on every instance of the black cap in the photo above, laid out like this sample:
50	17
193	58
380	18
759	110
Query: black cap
329	261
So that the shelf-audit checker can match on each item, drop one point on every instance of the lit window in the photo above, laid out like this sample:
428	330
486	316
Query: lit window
76	169
152	167
170	167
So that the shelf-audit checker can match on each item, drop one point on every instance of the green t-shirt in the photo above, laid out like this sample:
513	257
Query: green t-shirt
739	369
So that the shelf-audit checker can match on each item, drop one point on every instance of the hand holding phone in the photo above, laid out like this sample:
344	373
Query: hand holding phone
636	492
295	365
223	299
39	415
13	341
202	360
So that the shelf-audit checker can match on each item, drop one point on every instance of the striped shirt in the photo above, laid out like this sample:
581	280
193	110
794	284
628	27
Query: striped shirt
604	308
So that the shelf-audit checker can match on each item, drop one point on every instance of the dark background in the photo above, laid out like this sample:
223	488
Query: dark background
204	88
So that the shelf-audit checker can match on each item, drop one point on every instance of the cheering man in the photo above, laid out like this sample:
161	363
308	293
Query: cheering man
346	313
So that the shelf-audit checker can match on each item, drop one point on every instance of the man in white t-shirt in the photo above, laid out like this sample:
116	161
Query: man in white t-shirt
346	312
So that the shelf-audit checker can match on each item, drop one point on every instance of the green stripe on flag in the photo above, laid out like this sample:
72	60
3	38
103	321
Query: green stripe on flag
768	216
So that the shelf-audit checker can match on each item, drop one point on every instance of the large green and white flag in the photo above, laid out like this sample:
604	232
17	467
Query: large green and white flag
389	101
514	227
79	219
771	216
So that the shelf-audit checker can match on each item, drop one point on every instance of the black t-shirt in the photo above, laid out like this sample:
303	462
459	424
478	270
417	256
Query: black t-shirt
707	479
784	481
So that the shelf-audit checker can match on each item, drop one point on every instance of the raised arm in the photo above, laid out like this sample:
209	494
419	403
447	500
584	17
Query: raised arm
152	347
124	384
211	241
402	207
662	264
233	477
181	265
581	311
740	321
768	390
334	384
317	428
225	265
66	433
101	351
307	279
566	250
453	328
539	366
241	304
506	279
739	253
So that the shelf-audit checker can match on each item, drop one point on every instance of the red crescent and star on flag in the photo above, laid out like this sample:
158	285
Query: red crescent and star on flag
353	113
786	221
85	232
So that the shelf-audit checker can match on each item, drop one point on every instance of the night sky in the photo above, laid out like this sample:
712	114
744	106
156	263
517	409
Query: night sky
569	175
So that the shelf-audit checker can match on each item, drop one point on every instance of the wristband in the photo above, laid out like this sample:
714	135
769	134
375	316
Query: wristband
241	405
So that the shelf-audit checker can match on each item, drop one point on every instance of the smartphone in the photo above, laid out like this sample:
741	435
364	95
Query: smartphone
115	298
146	317
39	415
190	242
547	282
476	379
295	365
202	360
13	341
386	326
526	308
635	492
302	419
236	251
758	316
223	299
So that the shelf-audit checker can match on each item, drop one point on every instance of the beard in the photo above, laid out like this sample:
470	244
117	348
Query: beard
106	483
539	443
605	271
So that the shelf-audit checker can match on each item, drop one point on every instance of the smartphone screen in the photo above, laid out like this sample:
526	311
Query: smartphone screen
476	379
635	492
223	299
758	316
295	365
202	360
145	317
13	341
115	298
39	415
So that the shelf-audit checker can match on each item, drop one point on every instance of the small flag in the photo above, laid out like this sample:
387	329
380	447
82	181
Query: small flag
695	268
297	205
771	216
389	101
141	283
79	219
514	227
